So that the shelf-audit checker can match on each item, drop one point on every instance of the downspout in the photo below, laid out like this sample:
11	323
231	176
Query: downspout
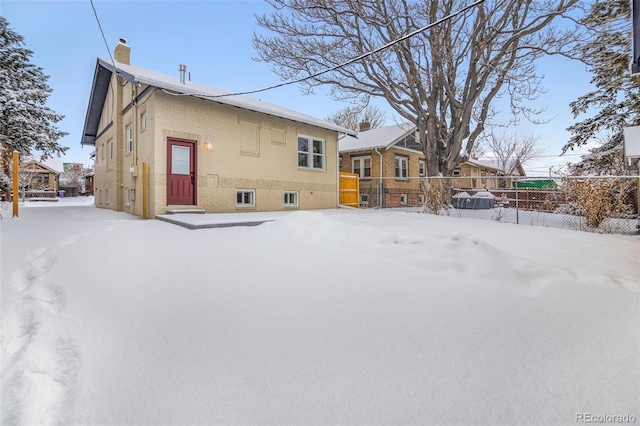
134	141
380	204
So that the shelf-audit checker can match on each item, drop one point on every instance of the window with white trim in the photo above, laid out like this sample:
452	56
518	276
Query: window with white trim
291	198
402	167
143	120
245	197
361	166
311	152
364	199
403	198
129	138
456	172
422	167
421	199
127	195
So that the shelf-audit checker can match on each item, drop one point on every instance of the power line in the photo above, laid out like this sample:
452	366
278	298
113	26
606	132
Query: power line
95	13
344	64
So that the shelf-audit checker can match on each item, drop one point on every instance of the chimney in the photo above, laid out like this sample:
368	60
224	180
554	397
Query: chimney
364	126
122	52
183	70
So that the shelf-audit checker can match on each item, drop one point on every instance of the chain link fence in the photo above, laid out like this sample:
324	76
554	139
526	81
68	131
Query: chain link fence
604	204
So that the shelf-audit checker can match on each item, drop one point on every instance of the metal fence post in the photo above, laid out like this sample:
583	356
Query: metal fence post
517	211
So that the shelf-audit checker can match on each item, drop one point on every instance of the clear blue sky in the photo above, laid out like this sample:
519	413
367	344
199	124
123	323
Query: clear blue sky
213	38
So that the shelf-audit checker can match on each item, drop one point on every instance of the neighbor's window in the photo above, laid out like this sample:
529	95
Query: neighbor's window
127	194
421	167
111	147
403	198
364	199
310	152
143	120
402	167
291	198
361	166
129	133
245	197
456	172
421	199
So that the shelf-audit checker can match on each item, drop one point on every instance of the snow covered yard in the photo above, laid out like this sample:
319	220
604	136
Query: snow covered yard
373	317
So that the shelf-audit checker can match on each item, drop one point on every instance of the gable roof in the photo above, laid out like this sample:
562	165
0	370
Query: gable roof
381	137
36	166
510	164
487	164
138	76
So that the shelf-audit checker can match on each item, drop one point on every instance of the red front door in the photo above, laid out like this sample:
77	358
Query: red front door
181	172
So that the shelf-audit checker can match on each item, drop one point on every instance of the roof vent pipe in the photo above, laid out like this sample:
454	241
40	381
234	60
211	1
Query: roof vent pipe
183	70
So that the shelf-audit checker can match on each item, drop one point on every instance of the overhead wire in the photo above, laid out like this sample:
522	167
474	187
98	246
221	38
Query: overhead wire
95	13
342	65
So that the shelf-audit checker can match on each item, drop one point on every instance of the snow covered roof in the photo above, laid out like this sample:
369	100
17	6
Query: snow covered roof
48	165
510	164
488	164
382	137
138	75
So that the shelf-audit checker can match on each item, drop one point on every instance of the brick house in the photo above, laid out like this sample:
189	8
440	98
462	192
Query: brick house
204	151
390	163
475	174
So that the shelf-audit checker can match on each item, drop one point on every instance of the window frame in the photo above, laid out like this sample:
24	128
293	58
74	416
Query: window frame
422	167
361	169
398	168
246	191
128	136
295	195
310	154
404	199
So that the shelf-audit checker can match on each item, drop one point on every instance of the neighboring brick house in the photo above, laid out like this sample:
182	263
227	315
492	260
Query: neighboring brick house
88	183
204	151
390	163
475	174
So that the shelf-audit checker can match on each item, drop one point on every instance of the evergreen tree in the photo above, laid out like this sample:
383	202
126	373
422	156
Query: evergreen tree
616	97
26	123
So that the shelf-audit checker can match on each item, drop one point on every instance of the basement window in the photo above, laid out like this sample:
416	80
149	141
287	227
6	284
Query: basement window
245	198
291	198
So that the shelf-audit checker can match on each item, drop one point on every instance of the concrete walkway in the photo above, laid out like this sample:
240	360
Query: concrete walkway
224	220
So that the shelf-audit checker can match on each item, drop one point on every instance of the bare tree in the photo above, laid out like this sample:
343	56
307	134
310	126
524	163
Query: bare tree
351	117
443	79
73	177
510	148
